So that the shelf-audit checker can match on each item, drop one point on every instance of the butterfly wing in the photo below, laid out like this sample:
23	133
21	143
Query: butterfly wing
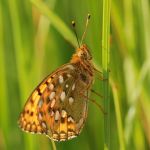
56	107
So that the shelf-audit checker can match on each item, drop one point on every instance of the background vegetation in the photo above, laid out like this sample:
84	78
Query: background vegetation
36	37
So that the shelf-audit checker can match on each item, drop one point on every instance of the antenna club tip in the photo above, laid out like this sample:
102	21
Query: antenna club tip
89	16
73	23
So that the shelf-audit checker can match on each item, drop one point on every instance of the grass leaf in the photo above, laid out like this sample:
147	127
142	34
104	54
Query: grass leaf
105	65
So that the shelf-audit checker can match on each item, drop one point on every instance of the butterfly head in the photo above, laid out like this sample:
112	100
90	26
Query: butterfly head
83	53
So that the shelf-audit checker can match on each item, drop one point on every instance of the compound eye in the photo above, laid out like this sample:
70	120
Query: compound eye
80	53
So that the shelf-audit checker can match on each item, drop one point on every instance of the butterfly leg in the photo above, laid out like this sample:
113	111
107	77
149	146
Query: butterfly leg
91	100
100	77
93	91
100	72
96	93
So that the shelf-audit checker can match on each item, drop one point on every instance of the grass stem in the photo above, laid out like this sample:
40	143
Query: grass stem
105	65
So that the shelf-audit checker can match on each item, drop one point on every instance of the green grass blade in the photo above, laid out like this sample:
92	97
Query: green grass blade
4	113
105	65
20	61
118	116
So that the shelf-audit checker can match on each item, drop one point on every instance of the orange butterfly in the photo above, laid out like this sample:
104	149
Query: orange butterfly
58	106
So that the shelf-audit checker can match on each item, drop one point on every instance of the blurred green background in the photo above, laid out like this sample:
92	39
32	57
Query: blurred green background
32	46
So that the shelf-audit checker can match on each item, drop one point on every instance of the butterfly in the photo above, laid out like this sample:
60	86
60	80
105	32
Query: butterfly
58	106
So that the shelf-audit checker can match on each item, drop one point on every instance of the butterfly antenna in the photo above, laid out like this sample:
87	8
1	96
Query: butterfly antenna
74	29
86	26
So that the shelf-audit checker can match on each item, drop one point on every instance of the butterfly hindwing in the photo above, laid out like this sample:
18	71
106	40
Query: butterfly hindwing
66	117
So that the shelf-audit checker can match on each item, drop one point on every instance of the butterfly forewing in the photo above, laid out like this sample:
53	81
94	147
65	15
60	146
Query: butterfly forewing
56	107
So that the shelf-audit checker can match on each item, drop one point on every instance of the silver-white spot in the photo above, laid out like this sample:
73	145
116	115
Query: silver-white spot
80	123
63	136
62	96
57	115
63	113
40	116
51	86
52	113
70	119
62	140
85	110
73	87
68	75
43	124
53	103
67	85
70	67
52	95
72	136
40	103
61	79
71	100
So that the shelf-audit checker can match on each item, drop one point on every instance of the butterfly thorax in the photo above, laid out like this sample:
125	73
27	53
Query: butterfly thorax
83	59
